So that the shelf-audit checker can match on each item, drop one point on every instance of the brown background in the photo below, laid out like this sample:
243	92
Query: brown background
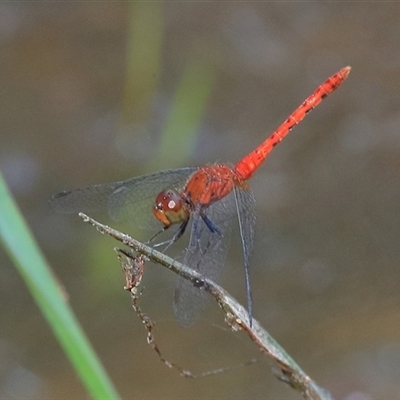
326	262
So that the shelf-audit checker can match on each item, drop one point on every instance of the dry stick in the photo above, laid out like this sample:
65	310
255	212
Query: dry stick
133	268
235	314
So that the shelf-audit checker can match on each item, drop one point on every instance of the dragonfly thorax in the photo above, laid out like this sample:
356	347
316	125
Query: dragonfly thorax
170	208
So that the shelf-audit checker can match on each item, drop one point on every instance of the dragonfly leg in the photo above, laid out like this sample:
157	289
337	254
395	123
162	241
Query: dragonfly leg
180	231
158	233
203	245
210	225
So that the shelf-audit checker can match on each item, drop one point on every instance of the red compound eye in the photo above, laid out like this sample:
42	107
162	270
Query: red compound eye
170	208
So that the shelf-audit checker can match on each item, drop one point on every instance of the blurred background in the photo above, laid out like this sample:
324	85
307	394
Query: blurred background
99	92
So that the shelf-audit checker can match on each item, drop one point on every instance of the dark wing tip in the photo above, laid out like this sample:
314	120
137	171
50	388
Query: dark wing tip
58	195
91	198
52	201
58	204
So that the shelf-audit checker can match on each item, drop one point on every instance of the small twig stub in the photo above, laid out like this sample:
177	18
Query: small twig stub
133	269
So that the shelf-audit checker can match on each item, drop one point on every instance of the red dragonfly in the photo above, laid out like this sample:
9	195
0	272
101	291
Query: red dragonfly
209	197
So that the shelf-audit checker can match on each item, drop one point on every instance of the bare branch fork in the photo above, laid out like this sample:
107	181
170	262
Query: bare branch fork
235	314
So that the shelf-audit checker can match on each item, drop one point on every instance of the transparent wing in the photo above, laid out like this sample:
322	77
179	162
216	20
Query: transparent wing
131	200
206	254
246	211
245	205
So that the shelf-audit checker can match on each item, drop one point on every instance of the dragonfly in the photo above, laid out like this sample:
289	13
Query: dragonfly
203	201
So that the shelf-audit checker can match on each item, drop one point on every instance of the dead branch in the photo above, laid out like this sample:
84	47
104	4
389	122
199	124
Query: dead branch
235	314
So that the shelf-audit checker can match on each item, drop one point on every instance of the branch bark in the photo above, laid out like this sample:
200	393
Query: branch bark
235	314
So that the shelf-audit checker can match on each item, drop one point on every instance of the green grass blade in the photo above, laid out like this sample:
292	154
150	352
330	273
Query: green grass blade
23	250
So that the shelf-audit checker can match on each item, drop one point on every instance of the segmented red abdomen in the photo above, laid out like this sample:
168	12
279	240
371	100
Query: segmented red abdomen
211	183
247	165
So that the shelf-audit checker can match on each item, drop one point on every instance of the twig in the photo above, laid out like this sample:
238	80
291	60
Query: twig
133	268
235	314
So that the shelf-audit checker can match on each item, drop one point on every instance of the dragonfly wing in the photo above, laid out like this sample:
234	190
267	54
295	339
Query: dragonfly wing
92	198
135	198
131	200
246	211
206	253
245	205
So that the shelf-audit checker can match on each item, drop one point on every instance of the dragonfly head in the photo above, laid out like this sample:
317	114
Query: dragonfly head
170	208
